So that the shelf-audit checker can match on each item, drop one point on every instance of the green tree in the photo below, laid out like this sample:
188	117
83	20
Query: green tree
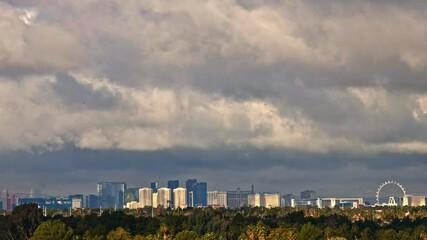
187	235
367	234
119	234
25	219
209	236
282	233
388	234
53	230
310	232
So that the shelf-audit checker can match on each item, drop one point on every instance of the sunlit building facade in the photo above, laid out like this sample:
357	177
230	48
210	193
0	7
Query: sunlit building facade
145	197
414	201
180	197
217	199
164	197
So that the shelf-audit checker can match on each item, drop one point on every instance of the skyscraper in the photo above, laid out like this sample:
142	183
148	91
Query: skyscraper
180	195
164	197
200	194
92	201
4	199
189	185
154	186
145	197
111	194
155	199
173	184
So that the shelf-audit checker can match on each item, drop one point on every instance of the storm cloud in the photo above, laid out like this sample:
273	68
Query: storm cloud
285	95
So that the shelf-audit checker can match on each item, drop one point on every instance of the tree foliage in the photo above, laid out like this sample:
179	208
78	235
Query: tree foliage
27	222
53	230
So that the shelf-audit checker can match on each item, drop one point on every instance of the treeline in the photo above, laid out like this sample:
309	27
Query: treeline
28	222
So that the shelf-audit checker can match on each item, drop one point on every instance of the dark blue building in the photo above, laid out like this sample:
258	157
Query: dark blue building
172	184
200	195
189	185
154	186
49	203
92	201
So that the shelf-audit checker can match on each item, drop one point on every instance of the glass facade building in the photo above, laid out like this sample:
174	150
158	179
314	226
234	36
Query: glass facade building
111	194
173	184
189	185
154	186
200	194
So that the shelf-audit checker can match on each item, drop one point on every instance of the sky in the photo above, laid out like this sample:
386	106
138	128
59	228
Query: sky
286	95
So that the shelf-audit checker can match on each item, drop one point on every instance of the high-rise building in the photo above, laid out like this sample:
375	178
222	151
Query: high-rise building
92	201
189	185
111	194
217	199
238	198
180	197
155	199
164	197
200	194
414	201
270	200
172	184
308	194
132	194
145	197
5	200
154	186
254	200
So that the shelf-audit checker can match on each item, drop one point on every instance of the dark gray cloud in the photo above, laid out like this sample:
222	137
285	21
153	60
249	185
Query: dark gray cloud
76	170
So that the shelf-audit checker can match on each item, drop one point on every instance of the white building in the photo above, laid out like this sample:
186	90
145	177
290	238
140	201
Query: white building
132	205
76	203
145	197
341	202
164	197
414	201
267	200
270	200
217	199
306	202
180	197
155	199
254	200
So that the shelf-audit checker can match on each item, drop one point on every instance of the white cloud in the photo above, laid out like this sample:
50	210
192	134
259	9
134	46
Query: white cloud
39	46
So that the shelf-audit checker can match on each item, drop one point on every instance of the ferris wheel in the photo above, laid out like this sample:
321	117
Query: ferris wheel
392	201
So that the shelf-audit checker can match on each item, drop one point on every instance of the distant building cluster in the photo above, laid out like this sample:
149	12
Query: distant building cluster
116	195
194	194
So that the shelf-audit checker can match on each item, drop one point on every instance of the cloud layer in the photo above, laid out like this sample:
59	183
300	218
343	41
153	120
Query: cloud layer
332	79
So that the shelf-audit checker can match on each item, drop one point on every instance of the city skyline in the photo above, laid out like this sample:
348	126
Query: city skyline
116	195
251	189
285	95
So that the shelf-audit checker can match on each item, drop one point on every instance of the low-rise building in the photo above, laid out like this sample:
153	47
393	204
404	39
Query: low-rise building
341	202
